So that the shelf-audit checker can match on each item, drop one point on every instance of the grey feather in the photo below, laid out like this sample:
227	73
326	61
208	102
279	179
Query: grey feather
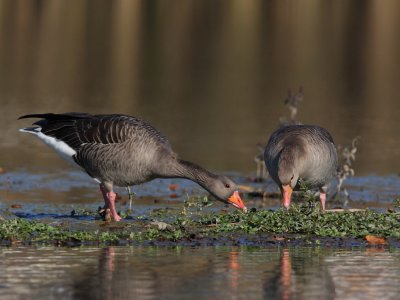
123	150
307	151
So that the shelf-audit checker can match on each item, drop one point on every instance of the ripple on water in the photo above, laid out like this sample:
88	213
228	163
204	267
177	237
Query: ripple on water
208	272
54	196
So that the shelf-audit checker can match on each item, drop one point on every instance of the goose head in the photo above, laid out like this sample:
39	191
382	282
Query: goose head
288	178
225	190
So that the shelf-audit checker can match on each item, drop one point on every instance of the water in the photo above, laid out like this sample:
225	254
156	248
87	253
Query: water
55	195
212	76
209	273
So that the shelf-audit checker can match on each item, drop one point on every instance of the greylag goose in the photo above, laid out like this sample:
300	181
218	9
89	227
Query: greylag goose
303	152
122	150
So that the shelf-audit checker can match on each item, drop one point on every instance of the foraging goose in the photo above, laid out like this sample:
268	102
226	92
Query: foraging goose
303	152
123	151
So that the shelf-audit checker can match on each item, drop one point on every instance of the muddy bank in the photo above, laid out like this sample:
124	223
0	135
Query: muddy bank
61	210
301	226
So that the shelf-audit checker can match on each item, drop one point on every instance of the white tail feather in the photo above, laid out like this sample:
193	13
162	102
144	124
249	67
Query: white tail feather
62	149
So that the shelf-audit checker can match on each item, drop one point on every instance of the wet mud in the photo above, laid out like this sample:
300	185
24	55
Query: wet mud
62	210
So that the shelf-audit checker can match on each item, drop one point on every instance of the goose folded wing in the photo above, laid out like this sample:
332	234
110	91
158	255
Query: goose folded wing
77	129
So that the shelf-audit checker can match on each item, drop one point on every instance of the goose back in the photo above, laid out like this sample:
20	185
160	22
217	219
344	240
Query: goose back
119	149
123	150
308	148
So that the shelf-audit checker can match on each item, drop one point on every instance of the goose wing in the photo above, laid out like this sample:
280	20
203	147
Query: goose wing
78	129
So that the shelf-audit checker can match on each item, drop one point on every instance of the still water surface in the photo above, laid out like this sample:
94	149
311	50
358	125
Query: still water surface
57	194
198	273
210	75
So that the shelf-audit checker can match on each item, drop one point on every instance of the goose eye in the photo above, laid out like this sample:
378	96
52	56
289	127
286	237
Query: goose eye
227	185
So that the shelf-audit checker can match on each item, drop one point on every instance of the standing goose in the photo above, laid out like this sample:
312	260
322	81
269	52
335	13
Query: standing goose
303	152
123	151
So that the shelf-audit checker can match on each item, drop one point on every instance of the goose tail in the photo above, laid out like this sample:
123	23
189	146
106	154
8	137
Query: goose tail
32	130
41	116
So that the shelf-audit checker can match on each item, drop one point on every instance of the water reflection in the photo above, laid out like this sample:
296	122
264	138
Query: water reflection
184	273
286	275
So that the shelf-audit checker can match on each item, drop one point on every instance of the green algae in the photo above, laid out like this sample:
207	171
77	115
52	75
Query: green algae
297	221
174	226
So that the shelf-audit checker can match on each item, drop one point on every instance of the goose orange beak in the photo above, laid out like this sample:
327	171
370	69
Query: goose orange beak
237	202
286	195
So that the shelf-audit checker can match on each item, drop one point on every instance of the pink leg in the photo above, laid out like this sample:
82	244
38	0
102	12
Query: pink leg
322	198
109	203
106	201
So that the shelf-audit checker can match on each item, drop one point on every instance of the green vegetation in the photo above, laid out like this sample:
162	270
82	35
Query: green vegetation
300	220
174	226
24	230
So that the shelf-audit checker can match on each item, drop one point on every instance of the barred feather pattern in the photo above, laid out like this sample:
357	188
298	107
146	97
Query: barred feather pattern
77	129
308	149
118	149
121	150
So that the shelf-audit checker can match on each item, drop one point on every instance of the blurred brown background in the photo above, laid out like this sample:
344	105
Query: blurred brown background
211	75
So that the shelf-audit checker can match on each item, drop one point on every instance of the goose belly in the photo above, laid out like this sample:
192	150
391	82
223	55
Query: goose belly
124	173
319	172
114	163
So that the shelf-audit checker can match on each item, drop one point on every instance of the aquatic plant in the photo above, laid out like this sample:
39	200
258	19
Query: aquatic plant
292	102
261	171
300	219
166	225
396	205
131	195
345	169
